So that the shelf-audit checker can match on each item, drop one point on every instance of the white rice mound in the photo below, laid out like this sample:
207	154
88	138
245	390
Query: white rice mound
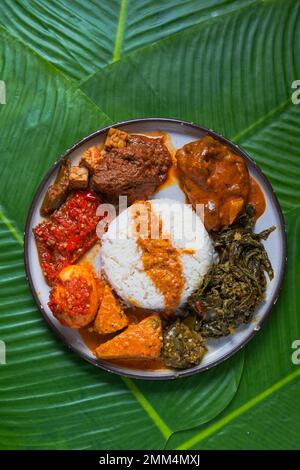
121	257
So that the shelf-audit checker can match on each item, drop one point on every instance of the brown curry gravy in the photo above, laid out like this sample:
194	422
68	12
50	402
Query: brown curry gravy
256	198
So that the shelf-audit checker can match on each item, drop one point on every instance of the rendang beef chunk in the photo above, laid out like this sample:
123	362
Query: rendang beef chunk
132	166
213	175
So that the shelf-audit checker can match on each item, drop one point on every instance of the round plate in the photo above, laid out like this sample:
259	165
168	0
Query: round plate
180	133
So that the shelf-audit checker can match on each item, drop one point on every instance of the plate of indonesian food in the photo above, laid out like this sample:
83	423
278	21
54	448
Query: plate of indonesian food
155	248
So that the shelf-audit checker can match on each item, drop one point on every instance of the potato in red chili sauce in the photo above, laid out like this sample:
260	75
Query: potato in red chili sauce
68	233
74	298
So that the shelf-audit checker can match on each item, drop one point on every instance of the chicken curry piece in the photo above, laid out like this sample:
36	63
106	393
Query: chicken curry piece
212	175
110	317
137	342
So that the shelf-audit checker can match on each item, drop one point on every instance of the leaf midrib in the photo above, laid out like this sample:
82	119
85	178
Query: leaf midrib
71	84
278	109
120	31
150	410
11	228
182	32
210	430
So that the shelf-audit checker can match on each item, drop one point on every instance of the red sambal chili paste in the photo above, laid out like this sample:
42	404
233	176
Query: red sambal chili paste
68	233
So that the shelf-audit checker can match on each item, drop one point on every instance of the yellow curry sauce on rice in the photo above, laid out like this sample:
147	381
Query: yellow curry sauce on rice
154	254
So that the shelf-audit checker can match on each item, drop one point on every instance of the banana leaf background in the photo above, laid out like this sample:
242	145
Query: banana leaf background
73	66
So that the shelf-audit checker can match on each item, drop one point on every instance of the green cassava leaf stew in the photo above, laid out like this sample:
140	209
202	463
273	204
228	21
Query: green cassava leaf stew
150	306
234	287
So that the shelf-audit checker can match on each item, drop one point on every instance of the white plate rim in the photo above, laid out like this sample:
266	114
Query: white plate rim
140	374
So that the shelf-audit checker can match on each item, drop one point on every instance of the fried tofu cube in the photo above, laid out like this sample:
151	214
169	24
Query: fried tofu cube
91	158
79	177
110	317
140	341
115	139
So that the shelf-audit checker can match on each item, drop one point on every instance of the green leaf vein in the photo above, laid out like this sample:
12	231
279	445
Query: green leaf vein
120	31
237	412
